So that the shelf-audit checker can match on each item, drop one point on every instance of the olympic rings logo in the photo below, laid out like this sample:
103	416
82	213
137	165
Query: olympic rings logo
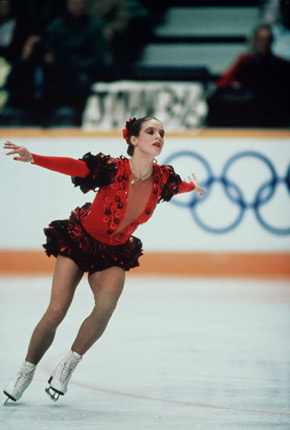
233	192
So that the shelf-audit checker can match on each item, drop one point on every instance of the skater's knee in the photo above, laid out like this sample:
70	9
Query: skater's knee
105	304
55	314
103	314
106	301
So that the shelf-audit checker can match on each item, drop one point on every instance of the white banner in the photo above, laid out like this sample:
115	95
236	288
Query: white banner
181	106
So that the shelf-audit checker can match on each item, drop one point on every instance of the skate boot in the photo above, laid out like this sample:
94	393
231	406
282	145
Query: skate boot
20	382
61	375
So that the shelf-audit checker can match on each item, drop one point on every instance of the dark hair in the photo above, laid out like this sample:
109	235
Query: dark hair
133	127
263	27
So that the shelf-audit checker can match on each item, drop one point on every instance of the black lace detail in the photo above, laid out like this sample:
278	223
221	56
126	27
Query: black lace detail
171	187
69	238
103	169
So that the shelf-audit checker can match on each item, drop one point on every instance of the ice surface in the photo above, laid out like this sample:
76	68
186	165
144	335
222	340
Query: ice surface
180	354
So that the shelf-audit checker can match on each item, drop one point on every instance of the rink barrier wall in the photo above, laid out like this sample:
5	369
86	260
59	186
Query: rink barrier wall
187	264
271	263
206	133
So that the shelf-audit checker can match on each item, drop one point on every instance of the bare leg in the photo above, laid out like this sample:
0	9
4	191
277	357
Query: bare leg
67	276
107	287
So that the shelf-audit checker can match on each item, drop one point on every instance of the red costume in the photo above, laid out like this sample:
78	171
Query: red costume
102	230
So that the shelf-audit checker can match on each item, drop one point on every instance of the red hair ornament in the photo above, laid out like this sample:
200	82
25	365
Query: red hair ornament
125	130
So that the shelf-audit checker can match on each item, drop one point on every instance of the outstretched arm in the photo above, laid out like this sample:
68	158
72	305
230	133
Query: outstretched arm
23	153
67	166
192	185
198	188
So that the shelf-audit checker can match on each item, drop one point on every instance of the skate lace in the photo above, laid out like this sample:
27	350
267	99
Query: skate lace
22	378
66	369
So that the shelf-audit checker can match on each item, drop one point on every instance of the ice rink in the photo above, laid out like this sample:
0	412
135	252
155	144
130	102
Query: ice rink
184	354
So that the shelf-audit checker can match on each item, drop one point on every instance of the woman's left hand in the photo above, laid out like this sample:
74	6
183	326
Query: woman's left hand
198	188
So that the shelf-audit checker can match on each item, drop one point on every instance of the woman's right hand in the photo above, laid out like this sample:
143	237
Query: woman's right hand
24	154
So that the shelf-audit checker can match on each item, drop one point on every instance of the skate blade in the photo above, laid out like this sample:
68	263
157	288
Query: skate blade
54	395
6	401
8	398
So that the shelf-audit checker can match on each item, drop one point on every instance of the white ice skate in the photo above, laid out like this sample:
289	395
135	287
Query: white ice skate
20	382
61	375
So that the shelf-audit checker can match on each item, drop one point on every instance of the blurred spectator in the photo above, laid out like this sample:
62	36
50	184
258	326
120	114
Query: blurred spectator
12	38
38	14
76	38
129	25
113	13
270	12
281	32
13	32
277	14
143	16
255	91
28	85
129	45
57	69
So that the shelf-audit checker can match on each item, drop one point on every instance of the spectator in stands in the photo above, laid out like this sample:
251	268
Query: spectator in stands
76	38
144	16
277	14
130	43
18	46
27	84
281	32
113	14
255	91
57	68
12	36
13	32
38	14
270	12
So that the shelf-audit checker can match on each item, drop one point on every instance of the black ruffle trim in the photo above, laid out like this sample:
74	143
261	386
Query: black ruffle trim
172	185
69	238
103	169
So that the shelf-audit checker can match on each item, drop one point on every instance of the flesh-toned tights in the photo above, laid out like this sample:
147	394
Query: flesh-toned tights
106	286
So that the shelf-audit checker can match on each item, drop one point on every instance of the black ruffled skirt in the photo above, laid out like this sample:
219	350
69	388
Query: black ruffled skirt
70	239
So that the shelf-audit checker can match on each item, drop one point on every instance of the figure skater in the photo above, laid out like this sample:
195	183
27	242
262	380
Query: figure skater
97	238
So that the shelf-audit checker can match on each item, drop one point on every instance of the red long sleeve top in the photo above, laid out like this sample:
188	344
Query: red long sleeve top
230	76
119	206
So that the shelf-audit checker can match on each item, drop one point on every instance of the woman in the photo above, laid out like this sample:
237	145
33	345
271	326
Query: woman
97	239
